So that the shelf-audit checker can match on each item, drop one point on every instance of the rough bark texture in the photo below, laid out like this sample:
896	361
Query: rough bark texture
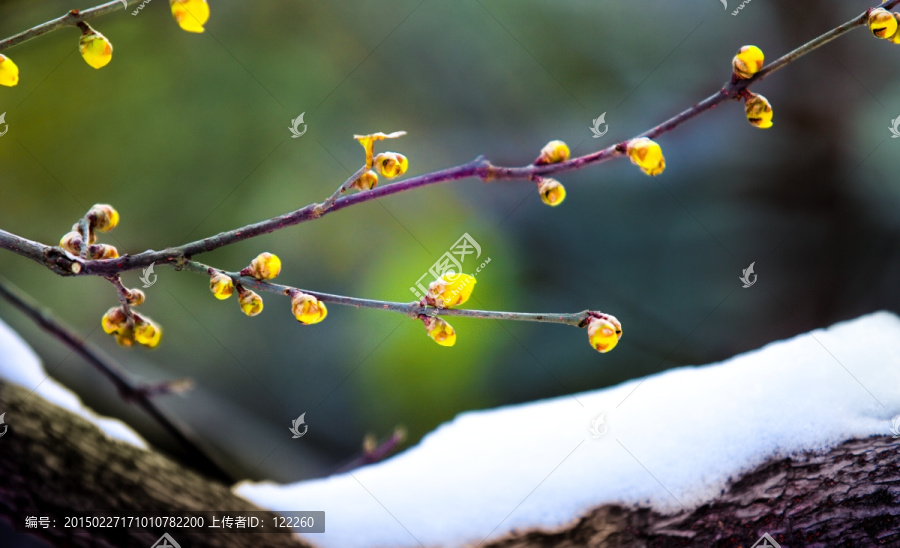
849	496
53	462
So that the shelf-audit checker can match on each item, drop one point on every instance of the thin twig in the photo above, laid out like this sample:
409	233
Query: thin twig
70	19
122	293
412	309
126	389
65	264
345	186
375	452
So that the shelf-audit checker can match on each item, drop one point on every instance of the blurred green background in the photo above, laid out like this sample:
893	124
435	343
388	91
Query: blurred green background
187	135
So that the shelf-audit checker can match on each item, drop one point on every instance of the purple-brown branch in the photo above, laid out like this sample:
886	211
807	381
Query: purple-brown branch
375	452
65	264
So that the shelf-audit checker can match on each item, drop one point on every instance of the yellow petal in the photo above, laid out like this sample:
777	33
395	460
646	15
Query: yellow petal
251	303
647	155
368	142
604	333
440	331
450	290
265	266
221	286
553	153
307	309
391	164
748	61
882	23
759	111
96	49
190	15
552	192
9	72
147	333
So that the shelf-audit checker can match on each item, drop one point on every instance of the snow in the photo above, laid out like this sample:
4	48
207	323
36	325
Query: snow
667	441
19	364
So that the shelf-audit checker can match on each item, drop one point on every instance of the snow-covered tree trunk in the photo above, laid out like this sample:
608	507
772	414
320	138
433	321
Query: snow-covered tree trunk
792	440
846	497
55	462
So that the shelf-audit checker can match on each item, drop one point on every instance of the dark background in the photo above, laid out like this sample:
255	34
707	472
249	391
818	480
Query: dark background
186	135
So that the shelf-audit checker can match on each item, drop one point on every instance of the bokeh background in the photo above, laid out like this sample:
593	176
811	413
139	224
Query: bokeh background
187	135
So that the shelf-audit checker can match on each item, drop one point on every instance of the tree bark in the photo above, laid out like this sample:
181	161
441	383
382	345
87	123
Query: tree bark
849	496
55	463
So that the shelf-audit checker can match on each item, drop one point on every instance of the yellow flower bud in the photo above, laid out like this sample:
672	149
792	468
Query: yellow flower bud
136	297
9	72
221	286
264	267
114	320
308	309
440	331
391	164
366	181
146	332
95	48
604	332
553	153
450	290
368	142
647	155
882	23
103	251
748	61
251	303
103	217
190	15
759	111
552	192
125	340
71	242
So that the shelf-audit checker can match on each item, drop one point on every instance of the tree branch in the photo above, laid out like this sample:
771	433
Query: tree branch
65	264
128	391
71	19
412	309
